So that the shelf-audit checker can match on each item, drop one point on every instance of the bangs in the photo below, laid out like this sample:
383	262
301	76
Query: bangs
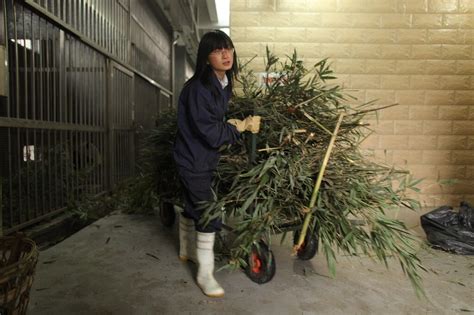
221	40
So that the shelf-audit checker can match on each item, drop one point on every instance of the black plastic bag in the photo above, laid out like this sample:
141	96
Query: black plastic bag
451	230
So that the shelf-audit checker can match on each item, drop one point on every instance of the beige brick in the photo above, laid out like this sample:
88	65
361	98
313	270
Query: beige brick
238	34
463	127
350	35
410	97
437	127
456	51
439	97
451	171
462	186
403	157
466	36
305	19
453	112
350	66
458	20
364	20
463	157
336	50
408	127
422	142
290	34
375	66
238	5
396	20
305	50
423	171
452	142
412	36
442	6
322	6
456	82
338	20
466	6
430	186
239	18
260	34
465	67
399	112
471	112
291	5
444	199
381	127
426	51
321	35
371	142
396	51
382	97
395	82
385	156
444	36
365	51
393	142
282	49
420	82
440	67
343	80
413	6
464	98
385	36
410	66
423	112
436	157
260	5
274	19
386	6
427	20
244	49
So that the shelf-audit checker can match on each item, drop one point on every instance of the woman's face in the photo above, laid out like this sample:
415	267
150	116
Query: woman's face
221	59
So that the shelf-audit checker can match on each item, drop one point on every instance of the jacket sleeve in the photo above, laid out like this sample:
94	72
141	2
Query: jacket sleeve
206	124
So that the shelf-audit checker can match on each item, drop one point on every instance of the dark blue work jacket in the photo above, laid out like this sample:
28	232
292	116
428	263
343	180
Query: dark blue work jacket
202	128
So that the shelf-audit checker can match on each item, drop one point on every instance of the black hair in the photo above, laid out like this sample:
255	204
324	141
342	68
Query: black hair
209	42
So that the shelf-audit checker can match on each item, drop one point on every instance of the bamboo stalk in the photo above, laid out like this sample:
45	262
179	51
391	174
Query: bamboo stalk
317	185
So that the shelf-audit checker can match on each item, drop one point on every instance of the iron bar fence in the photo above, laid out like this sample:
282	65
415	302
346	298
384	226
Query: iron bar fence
75	105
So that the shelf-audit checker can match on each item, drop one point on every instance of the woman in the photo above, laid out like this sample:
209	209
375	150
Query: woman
202	129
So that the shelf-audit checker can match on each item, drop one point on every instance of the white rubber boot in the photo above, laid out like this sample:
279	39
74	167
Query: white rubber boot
205	274
187	239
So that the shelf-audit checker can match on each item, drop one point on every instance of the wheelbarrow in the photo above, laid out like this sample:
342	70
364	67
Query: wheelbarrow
261	264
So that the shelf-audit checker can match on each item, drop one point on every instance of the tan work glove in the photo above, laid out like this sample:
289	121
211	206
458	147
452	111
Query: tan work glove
239	124
252	123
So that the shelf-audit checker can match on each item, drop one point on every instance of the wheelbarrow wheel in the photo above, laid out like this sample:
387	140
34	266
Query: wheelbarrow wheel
309	248
261	265
167	214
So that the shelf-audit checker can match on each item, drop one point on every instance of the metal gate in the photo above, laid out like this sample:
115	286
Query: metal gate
120	126
68	126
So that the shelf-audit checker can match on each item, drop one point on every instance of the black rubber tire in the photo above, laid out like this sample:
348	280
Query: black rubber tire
261	266
167	214
309	248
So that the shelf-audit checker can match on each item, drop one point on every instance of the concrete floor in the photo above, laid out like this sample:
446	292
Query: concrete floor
126	264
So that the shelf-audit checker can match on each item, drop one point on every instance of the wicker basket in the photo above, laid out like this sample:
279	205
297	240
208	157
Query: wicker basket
18	258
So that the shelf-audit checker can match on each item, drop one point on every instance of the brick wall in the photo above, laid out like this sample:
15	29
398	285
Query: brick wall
417	53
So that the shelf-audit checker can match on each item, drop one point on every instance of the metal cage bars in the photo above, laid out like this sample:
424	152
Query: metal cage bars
69	126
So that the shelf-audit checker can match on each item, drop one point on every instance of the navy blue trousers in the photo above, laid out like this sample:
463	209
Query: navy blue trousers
197	187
